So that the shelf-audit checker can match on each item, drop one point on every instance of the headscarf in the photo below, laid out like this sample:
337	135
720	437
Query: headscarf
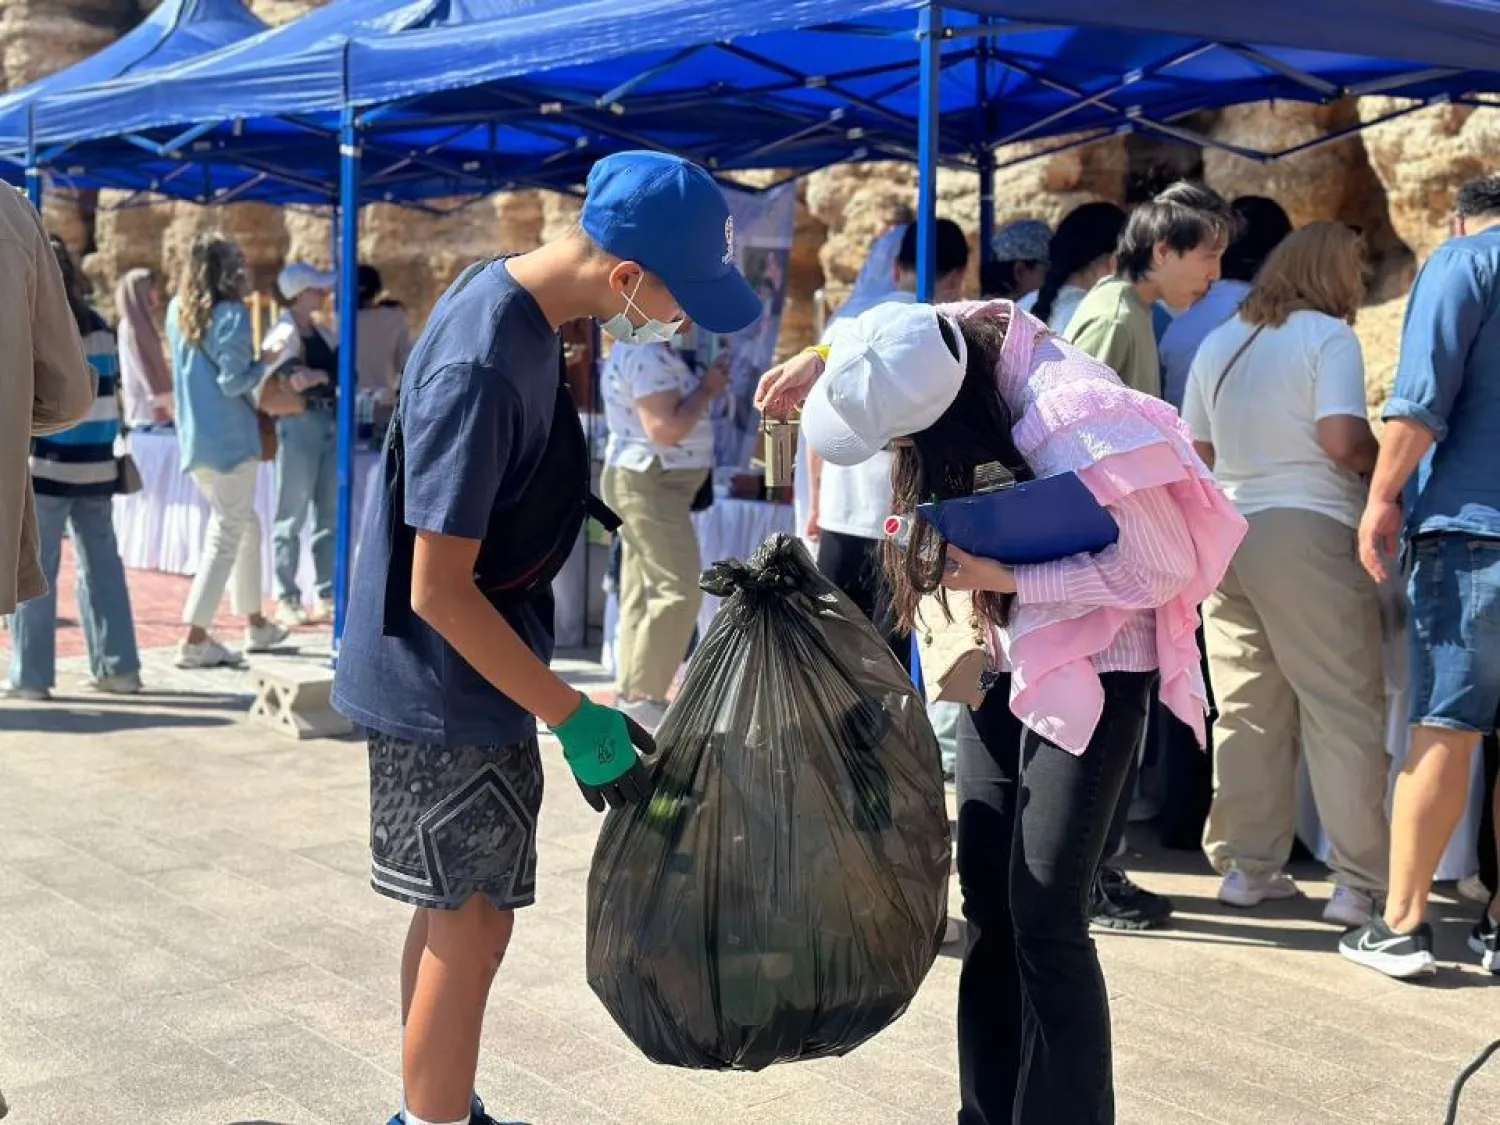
142	342
877	280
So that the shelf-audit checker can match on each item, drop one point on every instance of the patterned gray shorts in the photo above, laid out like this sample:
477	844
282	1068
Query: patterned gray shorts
451	822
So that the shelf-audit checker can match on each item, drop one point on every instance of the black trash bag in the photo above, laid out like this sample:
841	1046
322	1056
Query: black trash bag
784	893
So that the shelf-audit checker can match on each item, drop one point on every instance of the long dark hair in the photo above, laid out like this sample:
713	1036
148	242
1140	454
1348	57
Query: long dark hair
75	286
970	447
1085	235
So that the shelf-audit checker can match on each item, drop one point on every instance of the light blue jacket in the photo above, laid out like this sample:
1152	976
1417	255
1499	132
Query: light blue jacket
213	385
1448	382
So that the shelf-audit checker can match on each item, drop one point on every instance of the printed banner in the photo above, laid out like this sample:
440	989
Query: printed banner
763	227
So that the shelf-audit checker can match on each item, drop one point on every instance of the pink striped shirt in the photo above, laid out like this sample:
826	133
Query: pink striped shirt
1129	608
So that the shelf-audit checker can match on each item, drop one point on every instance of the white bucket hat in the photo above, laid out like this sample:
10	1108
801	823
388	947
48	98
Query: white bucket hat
890	373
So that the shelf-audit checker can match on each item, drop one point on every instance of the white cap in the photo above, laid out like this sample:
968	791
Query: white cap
299	277
890	374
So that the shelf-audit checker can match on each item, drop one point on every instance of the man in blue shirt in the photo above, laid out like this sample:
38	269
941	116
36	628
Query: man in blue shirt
1439	447
449	681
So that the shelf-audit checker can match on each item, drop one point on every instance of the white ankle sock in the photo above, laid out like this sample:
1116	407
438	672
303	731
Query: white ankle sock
413	1119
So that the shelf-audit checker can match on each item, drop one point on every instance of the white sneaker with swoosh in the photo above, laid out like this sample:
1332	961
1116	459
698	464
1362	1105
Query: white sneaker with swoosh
1378	947
1485	941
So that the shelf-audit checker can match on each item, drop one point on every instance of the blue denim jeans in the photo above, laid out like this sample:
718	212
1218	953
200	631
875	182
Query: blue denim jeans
1455	632
103	597
306	479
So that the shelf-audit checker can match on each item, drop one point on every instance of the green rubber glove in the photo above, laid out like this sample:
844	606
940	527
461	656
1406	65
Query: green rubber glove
600	744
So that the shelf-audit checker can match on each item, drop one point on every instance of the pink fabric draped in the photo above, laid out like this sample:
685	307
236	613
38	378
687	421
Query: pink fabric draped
1178	533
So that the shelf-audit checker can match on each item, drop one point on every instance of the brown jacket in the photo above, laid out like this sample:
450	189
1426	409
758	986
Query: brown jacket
46	384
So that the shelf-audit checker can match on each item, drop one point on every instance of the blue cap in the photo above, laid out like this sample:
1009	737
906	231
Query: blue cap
669	216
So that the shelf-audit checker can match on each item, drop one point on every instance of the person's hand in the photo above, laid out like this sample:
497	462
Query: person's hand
969	573
1379	536
600	745
786	386
812	533
161	416
716	378
306	378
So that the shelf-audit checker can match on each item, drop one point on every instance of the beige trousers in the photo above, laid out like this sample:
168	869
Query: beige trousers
1294	650
231	548
659	566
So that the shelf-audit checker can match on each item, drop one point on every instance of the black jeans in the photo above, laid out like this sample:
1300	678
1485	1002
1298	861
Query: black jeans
1033	1015
853	565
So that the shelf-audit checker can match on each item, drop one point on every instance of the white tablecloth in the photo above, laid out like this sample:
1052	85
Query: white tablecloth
162	527
731	529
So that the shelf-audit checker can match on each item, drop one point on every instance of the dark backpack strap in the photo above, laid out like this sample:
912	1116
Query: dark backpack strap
602	514
594	508
402	540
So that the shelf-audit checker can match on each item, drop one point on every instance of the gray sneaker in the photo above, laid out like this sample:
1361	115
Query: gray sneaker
291	613
127	684
27	694
207	653
263	638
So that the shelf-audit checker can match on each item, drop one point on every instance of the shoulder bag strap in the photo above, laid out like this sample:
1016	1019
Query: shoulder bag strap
1213	399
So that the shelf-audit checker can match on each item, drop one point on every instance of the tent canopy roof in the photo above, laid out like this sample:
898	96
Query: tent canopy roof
462	97
178	30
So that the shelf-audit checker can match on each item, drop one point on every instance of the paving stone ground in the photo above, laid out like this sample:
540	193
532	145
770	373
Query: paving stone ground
188	937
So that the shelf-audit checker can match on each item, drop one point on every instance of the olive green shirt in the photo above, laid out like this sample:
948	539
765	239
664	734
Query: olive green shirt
1113	324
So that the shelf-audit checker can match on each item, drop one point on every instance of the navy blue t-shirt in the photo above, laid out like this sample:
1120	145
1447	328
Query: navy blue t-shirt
477	399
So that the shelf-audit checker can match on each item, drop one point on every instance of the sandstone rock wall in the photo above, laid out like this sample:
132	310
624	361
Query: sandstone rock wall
1395	181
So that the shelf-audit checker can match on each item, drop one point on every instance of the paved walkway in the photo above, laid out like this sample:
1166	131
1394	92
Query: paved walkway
156	601
189	939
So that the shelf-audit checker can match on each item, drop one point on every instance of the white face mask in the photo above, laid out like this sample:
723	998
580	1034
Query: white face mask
651	332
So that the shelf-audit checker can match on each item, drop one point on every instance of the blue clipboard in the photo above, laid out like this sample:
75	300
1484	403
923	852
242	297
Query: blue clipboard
1035	521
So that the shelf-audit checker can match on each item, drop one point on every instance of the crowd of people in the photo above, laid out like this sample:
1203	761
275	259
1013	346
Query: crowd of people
194	369
1190	359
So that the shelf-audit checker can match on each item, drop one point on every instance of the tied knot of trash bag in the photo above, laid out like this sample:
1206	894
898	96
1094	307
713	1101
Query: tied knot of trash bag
780	567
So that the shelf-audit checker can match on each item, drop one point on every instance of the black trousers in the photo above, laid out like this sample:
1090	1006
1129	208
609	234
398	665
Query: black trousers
853	565
1033	1014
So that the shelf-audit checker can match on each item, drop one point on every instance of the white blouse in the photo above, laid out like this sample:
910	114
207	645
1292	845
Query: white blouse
632	372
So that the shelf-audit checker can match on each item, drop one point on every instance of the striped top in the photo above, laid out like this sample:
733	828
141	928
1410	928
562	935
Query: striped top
81	461
1132	606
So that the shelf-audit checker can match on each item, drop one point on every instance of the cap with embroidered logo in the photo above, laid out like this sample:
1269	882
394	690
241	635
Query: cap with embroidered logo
668	215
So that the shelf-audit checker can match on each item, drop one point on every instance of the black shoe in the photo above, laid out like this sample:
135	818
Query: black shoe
1485	941
477	1116
1402	956
1118	904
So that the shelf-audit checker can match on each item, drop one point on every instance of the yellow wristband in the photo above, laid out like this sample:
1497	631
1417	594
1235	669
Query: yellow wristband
819	350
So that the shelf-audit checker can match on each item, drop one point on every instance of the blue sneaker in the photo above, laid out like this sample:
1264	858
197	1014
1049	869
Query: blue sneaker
477	1116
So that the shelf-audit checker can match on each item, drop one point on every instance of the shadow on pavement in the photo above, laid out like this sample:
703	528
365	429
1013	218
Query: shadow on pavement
52	718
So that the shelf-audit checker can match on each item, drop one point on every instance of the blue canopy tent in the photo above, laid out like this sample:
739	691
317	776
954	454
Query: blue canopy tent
257	120
176	31
434	98
462	97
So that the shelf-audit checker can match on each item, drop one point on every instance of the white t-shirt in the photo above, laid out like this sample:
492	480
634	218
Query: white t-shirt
632	372
1064	305
1263	422
856	499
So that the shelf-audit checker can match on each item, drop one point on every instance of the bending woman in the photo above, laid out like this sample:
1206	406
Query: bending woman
1077	645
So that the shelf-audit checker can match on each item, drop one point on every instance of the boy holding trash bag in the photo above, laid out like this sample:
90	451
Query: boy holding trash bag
444	658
